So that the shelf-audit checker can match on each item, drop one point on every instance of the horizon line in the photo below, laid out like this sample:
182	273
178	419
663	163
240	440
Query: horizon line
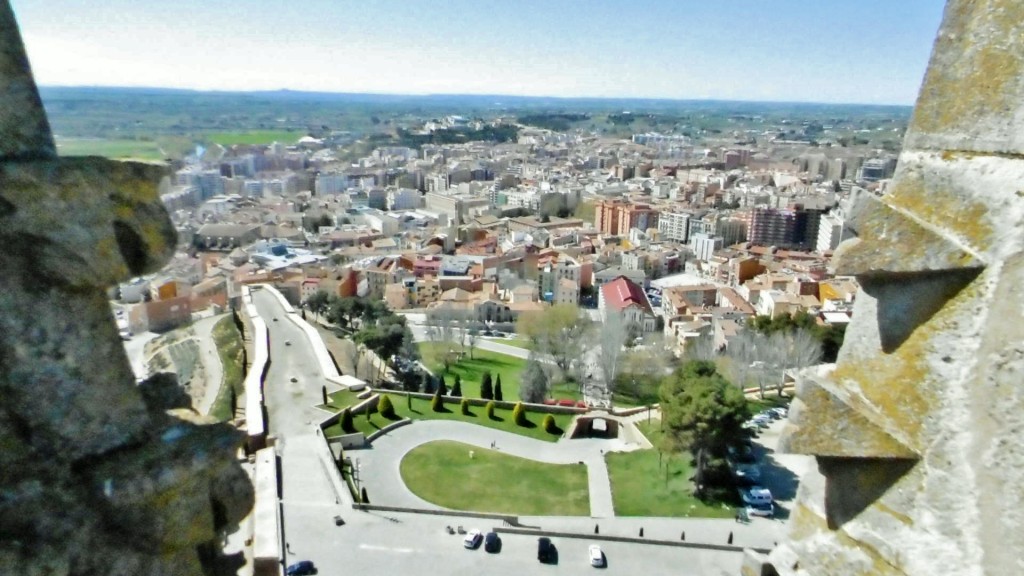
460	94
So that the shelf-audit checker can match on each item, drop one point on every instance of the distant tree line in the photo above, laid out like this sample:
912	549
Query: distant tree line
559	122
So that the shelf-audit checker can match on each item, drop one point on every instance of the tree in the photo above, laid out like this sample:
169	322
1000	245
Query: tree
365	498
323	392
385	407
497	389
701	413
472	336
486	387
436	404
642	369
464	406
355	354
549	425
519	414
318	302
347	425
560	331
489	409
612	339
457	387
426	384
700	348
533	384
442	388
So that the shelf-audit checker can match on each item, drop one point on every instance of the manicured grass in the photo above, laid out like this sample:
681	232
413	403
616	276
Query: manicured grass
472	370
519	342
254	137
340	399
229	346
116	149
443	473
477	415
640	487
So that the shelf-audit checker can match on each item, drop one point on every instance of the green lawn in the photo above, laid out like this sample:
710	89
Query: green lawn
229	346
519	342
116	149
443	473
640	486
421	411
254	137
472	370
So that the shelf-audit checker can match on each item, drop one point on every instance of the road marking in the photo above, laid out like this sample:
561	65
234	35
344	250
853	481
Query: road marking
387	549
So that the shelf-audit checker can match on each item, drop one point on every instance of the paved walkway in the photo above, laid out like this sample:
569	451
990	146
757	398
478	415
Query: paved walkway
212	367
380	466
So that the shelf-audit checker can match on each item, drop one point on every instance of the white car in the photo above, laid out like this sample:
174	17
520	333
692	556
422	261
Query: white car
596	556
756	495
472	539
766	510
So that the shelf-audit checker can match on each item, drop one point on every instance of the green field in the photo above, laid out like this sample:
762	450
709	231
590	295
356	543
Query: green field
421	411
443	473
116	149
641	487
254	137
231	350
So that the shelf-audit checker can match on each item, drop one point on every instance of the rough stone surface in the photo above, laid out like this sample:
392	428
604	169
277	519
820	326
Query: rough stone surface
917	428
97	475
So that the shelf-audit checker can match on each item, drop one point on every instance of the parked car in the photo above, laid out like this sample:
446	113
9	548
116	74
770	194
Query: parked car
303	568
596	556
782	411
545	550
472	539
766	510
756	495
492	543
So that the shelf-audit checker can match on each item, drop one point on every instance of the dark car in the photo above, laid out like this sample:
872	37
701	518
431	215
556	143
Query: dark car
303	568
492	543
545	550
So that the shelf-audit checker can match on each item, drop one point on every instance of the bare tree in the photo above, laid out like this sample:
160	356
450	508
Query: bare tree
471	339
533	386
645	364
611	341
700	348
803	350
354	353
742	352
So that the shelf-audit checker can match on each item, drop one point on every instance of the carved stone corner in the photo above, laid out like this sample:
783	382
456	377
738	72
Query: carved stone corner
829	419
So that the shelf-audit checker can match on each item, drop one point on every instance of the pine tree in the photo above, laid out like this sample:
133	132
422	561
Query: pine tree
549	424
490	410
457	387
385	407
442	388
346	421
436	404
487	387
497	389
323	392
464	406
519	414
365	498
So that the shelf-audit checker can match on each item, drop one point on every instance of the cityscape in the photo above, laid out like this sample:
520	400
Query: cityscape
476	314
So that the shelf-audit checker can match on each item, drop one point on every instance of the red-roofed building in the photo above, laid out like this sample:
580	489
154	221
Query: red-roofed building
628	298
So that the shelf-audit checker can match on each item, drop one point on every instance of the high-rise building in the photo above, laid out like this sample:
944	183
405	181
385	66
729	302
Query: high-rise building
792	228
617	217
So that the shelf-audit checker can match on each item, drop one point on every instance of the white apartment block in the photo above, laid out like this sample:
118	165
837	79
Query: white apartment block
404	199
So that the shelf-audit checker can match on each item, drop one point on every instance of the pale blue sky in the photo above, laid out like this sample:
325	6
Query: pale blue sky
864	51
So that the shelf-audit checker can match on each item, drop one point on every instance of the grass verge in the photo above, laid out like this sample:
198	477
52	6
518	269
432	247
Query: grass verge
254	137
644	484
443	473
229	345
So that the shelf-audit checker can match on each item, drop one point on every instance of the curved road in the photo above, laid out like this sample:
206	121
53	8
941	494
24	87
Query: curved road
380	467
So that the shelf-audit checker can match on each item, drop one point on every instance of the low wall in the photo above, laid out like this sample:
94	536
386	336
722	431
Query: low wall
512	520
387	429
629	539
355	440
632	411
255	426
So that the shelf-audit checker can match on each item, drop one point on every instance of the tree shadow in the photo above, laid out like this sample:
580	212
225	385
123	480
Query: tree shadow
526	423
394	417
779	479
496	418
